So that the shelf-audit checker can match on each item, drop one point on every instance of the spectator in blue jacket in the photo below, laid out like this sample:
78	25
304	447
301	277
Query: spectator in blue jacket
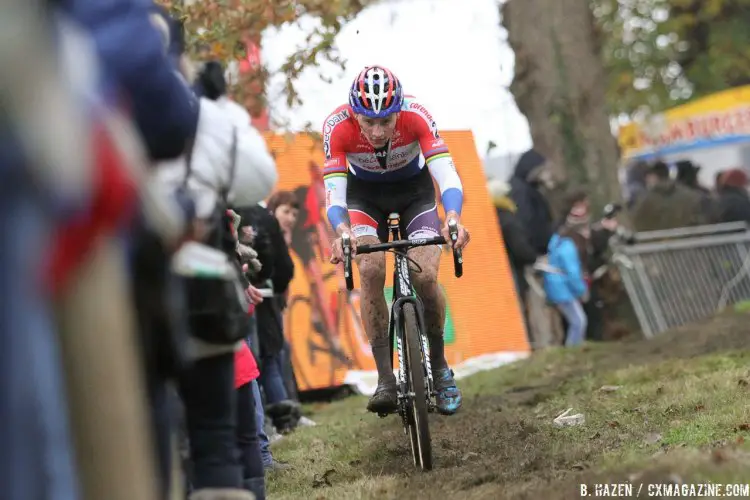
567	288
139	71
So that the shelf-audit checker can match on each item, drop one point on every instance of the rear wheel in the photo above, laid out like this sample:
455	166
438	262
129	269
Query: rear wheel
419	426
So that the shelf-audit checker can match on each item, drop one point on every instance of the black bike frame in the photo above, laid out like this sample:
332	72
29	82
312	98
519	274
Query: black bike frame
403	292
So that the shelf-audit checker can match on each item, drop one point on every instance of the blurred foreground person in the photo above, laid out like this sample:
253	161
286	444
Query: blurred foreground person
228	165
87	167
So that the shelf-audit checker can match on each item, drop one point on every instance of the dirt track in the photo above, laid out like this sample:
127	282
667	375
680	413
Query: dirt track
501	445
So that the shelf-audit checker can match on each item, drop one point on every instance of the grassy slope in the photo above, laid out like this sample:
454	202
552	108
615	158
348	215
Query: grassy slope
680	411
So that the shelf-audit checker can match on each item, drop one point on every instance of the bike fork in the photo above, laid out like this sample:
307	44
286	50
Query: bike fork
426	356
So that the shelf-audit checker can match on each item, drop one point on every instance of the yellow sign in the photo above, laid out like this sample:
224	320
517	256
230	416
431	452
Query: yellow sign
721	118
484	325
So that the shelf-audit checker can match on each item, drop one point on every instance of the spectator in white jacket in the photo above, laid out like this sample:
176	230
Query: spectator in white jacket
221	124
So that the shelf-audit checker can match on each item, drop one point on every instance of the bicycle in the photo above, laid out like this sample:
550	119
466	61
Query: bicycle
416	393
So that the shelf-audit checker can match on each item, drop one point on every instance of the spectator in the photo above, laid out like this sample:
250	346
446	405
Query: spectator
667	204
717	181
284	207
531	173
635	183
276	273
131	50
567	288
228	154
733	201
246	372
519	249
687	175
601	233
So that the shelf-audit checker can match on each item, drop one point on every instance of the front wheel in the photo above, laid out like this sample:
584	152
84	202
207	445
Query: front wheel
419	426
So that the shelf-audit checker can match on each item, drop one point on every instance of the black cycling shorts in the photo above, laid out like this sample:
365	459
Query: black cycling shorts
413	199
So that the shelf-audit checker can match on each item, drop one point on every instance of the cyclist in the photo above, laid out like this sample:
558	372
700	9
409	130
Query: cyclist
376	150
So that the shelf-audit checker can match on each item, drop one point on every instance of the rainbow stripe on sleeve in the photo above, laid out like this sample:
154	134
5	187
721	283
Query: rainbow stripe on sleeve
337	171
436	154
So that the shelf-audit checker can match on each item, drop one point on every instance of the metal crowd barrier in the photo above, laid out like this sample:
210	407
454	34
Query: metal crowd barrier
683	275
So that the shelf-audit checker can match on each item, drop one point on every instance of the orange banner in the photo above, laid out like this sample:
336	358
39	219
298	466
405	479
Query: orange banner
484	326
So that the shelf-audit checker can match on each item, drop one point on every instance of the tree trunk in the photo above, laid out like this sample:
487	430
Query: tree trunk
559	85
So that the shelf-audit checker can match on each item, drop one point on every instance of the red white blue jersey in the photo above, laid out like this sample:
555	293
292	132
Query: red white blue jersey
415	144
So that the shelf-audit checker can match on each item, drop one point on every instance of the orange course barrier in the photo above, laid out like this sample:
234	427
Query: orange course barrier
484	327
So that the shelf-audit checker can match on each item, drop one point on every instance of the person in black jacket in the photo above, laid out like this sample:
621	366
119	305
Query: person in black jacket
277	271
517	245
519	249
733	199
533	208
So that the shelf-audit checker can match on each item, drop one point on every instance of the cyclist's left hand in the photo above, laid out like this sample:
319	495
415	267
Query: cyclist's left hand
463	233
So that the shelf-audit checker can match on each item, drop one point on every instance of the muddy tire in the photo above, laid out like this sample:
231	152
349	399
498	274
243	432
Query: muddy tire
419	425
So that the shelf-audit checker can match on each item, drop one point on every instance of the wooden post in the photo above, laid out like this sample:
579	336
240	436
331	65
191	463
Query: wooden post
105	381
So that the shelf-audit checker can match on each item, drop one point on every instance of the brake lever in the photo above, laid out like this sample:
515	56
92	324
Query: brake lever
458	260
346	244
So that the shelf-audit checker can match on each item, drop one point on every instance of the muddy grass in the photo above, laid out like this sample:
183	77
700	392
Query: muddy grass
676	411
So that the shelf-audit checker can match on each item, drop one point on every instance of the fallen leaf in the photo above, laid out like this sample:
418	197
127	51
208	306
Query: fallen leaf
699	407
469	455
614	424
653	437
742	382
742	427
610	388
565	419
578	466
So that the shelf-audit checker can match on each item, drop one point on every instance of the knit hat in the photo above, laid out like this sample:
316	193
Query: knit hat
735	178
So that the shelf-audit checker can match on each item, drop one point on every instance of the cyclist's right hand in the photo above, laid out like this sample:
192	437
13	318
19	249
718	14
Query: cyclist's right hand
337	251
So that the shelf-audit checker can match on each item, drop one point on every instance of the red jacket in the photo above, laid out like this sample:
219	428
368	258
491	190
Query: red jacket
245	367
